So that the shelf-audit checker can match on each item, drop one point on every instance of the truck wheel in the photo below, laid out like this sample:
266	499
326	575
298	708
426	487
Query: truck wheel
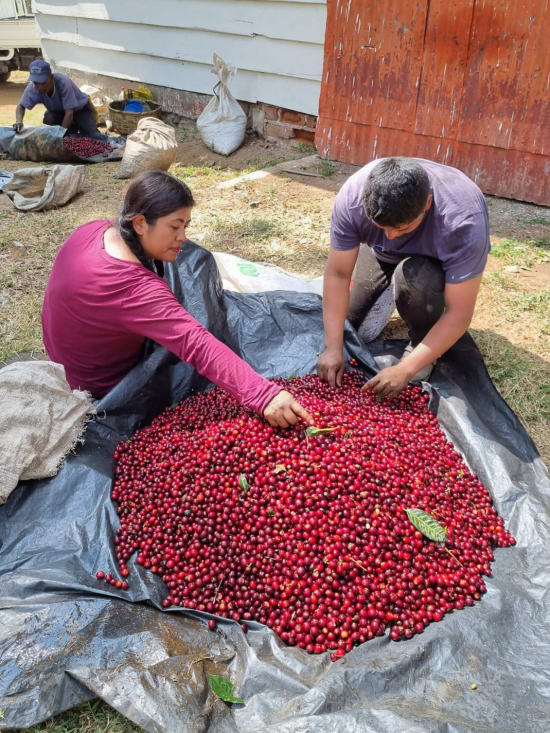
4	76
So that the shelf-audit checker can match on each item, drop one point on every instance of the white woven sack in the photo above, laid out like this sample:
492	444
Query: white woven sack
152	147
222	124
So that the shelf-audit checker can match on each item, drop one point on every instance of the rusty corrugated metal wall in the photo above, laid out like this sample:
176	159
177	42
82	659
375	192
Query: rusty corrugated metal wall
463	82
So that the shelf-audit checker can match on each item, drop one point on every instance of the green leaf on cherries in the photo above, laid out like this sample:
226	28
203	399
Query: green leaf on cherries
312	431
279	468
270	512
243	483
428	525
223	688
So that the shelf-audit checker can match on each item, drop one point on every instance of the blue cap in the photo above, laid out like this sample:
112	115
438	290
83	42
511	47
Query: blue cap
40	70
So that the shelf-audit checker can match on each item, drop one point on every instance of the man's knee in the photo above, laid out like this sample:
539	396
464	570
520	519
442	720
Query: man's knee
419	275
419	284
51	118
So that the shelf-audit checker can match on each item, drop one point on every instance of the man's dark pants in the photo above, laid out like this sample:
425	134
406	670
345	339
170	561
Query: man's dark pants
83	122
419	283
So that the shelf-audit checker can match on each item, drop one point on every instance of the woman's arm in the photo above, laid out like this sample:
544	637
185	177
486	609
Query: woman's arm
155	313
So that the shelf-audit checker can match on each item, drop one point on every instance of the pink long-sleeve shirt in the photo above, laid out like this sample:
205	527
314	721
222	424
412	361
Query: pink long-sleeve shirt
98	310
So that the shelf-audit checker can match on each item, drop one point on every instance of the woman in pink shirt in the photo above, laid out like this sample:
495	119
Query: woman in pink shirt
104	298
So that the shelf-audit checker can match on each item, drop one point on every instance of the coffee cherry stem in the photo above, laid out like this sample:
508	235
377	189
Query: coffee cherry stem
453	556
364	569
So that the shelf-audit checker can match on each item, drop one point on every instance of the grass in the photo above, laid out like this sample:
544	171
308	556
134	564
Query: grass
523	380
256	228
519	252
90	717
326	167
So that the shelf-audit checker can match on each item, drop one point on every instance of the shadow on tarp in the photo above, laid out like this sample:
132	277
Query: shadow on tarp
65	637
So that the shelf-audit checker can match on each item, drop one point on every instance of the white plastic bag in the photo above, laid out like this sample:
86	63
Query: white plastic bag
222	124
243	276
153	146
35	189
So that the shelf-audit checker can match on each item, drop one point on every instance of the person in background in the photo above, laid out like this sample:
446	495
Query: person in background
421	226
104	298
65	104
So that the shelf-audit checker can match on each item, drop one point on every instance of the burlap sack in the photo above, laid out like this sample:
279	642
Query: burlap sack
152	146
41	420
37	189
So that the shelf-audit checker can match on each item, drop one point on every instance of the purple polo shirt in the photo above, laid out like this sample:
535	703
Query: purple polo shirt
66	95
454	231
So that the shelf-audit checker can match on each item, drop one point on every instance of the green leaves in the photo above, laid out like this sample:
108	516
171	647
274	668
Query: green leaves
428	525
223	688
243	483
312	431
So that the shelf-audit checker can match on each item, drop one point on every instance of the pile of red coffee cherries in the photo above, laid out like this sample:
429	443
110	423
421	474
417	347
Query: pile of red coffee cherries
87	147
306	533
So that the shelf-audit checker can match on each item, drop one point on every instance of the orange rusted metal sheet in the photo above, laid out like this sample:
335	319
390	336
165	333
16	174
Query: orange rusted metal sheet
506	101
464	82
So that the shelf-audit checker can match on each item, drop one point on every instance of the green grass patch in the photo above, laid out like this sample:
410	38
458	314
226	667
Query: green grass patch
523	379
91	717
519	252
305	148
537	303
543	221
256	228
203	173
326	168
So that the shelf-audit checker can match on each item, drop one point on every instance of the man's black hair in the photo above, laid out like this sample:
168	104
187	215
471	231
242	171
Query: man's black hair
396	192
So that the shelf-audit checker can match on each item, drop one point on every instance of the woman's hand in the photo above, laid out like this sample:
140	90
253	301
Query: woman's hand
389	382
283	410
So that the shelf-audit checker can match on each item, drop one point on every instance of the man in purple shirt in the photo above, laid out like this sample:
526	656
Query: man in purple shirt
65	104
422	227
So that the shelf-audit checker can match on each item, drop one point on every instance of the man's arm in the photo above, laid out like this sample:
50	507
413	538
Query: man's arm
67	118
460	300
19	114
336	284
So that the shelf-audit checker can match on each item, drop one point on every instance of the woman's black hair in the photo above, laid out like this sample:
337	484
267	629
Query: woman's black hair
153	194
396	192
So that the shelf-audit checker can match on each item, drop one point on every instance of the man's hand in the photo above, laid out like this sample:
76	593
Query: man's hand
330	366
283	410
389	382
18	127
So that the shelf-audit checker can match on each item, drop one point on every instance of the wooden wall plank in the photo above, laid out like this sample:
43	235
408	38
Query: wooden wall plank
260	54
297	94
296	21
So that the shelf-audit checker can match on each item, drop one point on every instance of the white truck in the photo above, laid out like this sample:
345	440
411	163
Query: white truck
19	37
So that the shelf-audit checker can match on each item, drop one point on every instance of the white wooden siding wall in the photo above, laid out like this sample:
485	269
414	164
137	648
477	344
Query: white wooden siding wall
277	45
